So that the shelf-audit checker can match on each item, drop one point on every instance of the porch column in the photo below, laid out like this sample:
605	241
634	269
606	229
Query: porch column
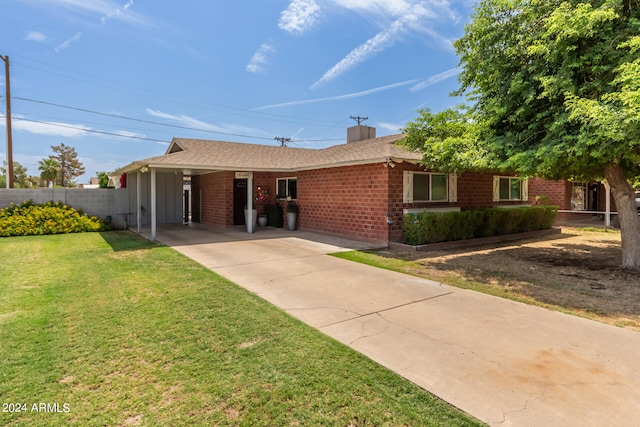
250	203
607	215
138	201
153	204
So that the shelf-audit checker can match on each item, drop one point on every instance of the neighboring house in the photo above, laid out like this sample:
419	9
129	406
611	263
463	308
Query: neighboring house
359	189
576	200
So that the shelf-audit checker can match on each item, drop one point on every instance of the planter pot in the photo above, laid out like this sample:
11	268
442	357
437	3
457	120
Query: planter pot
255	219
291	220
262	220
274	215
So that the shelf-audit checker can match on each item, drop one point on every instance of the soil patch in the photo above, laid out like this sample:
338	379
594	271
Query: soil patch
577	271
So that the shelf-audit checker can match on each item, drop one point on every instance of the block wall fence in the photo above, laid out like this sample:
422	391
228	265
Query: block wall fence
96	202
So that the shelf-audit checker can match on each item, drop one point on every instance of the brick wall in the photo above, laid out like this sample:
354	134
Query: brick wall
216	190
348	201
214	193
558	192
475	191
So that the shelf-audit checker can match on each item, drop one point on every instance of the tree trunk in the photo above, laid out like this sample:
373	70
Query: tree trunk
623	195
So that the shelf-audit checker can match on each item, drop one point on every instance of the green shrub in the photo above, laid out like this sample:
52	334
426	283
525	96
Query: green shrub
428	227
29	219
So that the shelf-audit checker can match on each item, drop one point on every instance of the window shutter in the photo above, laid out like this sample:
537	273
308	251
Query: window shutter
496	188
407	187
453	187
525	190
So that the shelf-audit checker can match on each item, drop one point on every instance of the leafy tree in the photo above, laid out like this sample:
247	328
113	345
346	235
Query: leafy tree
20	177
70	166
49	169
35	181
103	179
555	88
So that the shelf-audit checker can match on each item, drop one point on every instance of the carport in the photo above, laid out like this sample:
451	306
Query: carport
155	188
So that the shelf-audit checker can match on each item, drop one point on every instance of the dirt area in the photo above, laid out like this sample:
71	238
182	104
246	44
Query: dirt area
577	271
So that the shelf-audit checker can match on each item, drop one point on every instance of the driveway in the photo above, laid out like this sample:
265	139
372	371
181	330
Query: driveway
506	363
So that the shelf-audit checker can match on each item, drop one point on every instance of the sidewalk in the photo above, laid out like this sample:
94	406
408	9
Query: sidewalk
506	363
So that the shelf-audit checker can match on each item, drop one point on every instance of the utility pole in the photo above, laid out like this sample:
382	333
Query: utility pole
283	141
8	115
359	119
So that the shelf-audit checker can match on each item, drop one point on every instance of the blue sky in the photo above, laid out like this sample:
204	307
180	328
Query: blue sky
246	70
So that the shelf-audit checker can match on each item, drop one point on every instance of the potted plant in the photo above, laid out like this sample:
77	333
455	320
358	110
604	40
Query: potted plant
292	214
262	195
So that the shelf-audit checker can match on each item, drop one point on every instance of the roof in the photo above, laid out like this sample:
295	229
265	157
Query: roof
194	156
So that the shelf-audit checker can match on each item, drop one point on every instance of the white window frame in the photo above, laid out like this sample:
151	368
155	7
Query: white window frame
287	187
524	189
407	187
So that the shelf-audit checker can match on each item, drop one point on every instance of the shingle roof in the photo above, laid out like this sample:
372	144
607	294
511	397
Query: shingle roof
207	155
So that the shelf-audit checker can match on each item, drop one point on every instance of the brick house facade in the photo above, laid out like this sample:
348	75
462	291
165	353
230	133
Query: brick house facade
360	189
355	201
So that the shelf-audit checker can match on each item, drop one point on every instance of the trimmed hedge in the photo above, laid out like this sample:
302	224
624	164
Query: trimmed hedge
29	219
429	227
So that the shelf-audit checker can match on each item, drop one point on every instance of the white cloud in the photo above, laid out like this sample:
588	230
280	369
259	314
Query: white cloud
390	126
299	16
396	18
340	97
259	58
435	79
68	130
101	9
185	121
68	42
117	13
412	12
35	36
198	125
366	50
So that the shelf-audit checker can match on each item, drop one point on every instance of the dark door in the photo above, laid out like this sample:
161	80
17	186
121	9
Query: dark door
239	200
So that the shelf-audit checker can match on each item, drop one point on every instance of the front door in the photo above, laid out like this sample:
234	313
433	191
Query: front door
239	200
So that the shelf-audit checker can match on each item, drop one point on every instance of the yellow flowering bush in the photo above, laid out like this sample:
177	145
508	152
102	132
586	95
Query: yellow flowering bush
28	219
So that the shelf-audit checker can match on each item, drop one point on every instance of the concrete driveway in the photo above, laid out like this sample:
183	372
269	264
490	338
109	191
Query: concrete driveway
505	363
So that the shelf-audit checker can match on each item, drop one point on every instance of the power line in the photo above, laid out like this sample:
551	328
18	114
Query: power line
283	141
359	119
117	116
89	130
172	98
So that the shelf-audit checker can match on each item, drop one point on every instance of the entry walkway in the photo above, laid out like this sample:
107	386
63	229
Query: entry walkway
506	363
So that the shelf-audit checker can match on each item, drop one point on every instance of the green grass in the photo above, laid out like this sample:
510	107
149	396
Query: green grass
598	230
117	330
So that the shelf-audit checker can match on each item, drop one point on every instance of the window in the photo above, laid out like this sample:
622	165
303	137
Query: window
578	196
429	187
508	188
287	187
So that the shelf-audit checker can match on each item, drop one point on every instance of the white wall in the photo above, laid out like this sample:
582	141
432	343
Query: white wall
105	202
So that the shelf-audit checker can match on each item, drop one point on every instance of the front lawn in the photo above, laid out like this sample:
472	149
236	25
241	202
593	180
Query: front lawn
110	329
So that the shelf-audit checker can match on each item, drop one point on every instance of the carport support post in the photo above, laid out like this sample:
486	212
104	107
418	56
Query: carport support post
153	204
138	201
250	202
607	215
